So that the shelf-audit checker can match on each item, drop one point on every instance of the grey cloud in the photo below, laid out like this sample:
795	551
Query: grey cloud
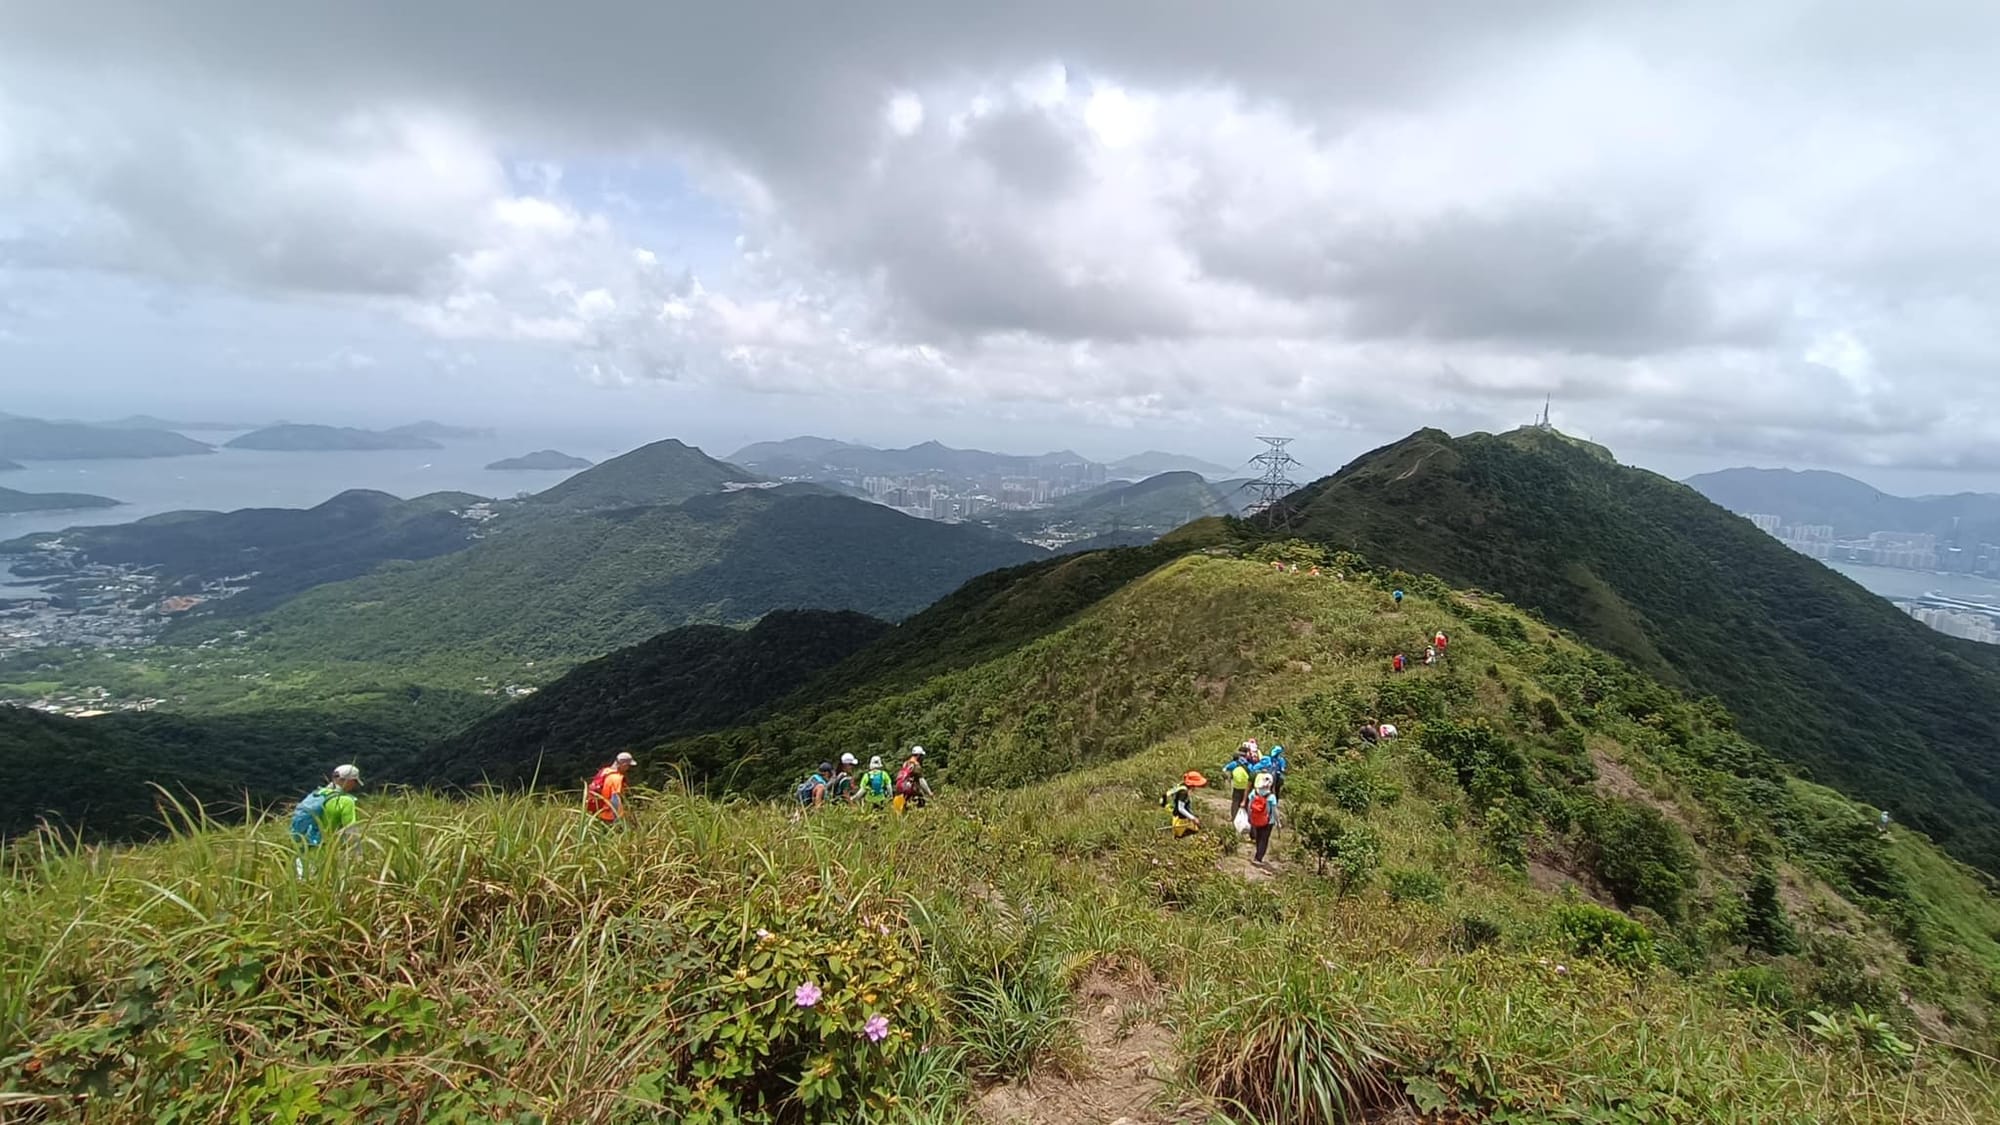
1029	151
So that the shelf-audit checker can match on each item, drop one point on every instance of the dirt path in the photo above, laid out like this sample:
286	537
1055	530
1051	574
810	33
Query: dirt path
1129	1059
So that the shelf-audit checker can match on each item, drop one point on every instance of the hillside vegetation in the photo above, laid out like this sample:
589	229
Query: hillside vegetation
1824	673
1565	894
663	472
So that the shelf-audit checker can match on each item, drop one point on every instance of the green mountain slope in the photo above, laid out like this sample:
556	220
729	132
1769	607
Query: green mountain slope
1823	672
31	439
540	459
12	500
686	680
1564	894
664	472
538	595
272	553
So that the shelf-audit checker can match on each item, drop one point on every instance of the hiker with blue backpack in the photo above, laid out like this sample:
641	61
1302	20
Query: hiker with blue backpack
812	792
325	813
1275	764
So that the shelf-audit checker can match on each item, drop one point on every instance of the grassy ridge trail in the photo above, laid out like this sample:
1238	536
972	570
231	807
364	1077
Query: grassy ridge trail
498	958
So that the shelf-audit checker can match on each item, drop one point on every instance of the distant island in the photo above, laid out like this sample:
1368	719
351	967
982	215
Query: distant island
541	459
150	422
13	502
32	439
439	431
7	466
316	439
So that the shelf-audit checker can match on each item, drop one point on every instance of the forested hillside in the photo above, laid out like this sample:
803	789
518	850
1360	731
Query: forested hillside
1826	674
695	678
664	472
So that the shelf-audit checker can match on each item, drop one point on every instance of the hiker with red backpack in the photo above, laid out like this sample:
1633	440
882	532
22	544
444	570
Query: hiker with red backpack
1262	808
604	796
911	788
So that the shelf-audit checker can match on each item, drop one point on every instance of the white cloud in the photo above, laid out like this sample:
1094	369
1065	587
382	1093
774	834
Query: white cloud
1698	225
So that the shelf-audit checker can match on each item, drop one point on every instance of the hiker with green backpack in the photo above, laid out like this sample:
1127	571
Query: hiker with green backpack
325	813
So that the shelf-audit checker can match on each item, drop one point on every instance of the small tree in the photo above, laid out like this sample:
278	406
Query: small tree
1350	851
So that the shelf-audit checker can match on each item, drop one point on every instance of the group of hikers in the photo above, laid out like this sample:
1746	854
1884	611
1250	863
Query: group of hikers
1433	652
329	812
1256	779
837	783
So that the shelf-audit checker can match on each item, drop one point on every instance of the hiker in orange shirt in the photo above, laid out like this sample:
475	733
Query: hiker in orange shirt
604	797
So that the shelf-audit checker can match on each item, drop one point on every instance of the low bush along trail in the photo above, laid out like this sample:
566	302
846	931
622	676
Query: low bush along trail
498	958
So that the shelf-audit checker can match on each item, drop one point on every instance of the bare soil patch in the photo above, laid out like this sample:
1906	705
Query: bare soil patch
1129	1062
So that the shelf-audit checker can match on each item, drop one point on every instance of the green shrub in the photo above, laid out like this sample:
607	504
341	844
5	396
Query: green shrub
1486	763
1765	927
1415	885
1505	834
1589	930
1760	986
1356	787
1639	854
1350	851
1473	931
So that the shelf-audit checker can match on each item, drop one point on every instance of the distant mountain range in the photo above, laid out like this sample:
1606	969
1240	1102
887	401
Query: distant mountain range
1139	466
1816	668
540	459
149	422
1128	513
1851	507
32	439
812	456
10	466
294	438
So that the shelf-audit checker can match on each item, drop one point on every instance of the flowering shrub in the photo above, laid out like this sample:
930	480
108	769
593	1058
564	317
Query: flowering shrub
811	1011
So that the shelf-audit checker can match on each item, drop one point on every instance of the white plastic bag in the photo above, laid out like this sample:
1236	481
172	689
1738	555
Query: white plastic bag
1243	821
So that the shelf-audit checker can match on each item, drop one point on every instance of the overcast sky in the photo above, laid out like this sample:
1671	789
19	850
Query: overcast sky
1717	233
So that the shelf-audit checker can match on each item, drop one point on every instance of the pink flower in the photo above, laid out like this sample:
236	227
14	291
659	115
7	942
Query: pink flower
876	1029
807	995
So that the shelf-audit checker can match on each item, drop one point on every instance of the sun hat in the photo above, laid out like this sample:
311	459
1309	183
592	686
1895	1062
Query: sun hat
875	763
1193	779
625	759
848	760
916	751
347	773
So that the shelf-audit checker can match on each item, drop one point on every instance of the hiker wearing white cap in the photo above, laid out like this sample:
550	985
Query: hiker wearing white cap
842	786
604	795
876	784
1263	809
911	788
324	813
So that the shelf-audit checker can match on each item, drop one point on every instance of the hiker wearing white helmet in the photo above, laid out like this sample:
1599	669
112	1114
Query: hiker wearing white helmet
911	788
841	787
876	784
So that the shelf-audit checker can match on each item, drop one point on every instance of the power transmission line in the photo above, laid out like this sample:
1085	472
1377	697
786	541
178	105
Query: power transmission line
1274	485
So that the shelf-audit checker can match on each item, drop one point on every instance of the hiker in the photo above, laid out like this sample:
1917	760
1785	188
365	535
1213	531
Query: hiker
1263	809
1276	764
812	792
324	813
911	788
1388	731
1438	642
604	795
1370	732
875	784
841	786
1430	655
1397	663
1238	770
1397	594
1179	803
1882	825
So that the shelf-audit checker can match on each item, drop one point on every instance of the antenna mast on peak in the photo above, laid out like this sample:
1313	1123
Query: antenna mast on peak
1542	422
1274	484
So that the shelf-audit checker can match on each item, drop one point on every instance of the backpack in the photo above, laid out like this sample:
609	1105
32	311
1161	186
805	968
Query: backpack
1239	776
805	790
306	817
906	783
1260	809
877	782
594	801
1167	801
